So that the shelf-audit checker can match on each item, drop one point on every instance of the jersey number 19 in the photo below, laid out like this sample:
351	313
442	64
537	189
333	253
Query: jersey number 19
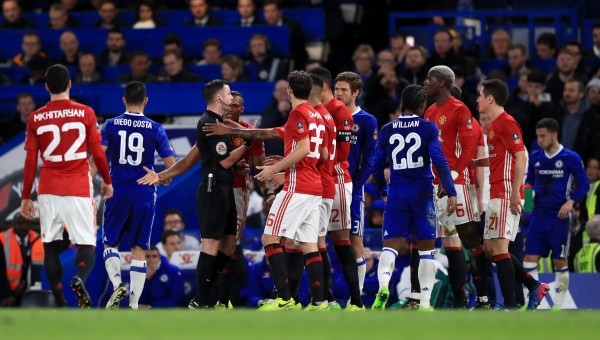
135	144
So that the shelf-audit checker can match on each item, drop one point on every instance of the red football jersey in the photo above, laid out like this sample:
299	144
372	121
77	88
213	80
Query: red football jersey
326	168
343	123
504	140
303	177
457	134
62	131
256	149
480	142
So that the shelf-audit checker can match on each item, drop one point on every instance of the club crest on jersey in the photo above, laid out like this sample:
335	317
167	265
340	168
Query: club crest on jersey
442	120
516	138
491	136
559	164
469	123
491	147
300	127
355	128
221	148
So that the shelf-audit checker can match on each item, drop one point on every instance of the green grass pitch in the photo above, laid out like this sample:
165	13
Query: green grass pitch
248	324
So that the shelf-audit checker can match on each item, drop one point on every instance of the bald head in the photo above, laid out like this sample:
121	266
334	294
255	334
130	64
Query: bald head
69	43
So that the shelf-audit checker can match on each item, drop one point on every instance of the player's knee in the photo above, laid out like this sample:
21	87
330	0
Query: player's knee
269	239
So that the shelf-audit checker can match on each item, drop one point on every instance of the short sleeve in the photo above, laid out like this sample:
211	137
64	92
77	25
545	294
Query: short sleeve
163	146
512	137
297	126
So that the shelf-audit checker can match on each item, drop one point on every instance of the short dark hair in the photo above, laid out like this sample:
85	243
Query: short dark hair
212	42
398	35
497	89
580	85
154	248
57	78
173	212
318	82
237	94
277	3
168	233
536	77
322	73
172	38
548	39
445	30
352	79
25	95
300	83
413	96
135	93
116	31
548	123
596	27
456	91
574	43
177	55
211	88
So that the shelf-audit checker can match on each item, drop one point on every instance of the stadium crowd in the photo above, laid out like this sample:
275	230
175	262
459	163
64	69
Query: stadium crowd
561	82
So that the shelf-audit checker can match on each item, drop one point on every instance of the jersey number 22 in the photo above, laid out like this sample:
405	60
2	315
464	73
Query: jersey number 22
406	162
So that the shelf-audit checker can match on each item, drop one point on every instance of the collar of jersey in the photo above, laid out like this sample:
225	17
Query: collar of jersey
411	116
134	113
560	147
357	110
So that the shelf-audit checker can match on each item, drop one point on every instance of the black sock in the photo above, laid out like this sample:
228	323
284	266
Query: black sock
274	294
314	270
227	281
205	277
506	278
295	265
457	274
84	260
326	274
54	271
343	249
277	262
522	275
478	269
415	285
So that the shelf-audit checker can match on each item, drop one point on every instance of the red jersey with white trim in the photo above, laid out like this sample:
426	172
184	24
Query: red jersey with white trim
458	138
256	149
504	140
62	131
326	168
303	177
343	123
480	142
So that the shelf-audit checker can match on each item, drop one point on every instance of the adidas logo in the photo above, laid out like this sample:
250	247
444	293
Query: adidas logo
424	289
117	275
537	163
387	273
385	233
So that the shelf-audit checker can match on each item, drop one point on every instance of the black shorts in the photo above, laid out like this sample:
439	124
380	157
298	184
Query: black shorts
216	211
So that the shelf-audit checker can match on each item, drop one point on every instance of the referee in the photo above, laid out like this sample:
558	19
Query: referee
216	204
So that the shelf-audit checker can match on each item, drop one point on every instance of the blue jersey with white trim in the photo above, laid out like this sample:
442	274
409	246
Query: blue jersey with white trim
556	178
362	146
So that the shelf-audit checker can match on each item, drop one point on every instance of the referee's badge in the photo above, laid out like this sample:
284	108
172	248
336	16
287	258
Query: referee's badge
221	148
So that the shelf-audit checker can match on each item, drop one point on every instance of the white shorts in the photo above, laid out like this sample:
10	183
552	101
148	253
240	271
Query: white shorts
446	226
77	214
474	203
294	216
324	214
241	207
340	211
500	222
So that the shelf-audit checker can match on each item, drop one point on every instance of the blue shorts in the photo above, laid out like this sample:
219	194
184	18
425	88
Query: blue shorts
128	216
403	217
548	233
357	217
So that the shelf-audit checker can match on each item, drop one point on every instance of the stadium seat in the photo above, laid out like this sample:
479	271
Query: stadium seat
546	65
489	65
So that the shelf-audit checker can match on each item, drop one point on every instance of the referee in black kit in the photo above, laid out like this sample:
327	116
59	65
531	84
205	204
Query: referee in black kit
216	204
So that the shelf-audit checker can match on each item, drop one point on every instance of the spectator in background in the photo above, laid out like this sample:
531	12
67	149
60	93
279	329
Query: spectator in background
69	45
13	17
37	68
24	256
170	240
32	50
363	59
443	52
202	18
276	114
211	53
72	5
399	47
578	121
312	63
246	8
576	50
173	220
268	68
383	95
517	61
386	59
593	93
16	123
146	16
115	53
60	18
375	214
501	42
87	71
172	43
596	41
591	204
566	70
456	41
416	70
587	259
274	17
164	285
174	71
545	45
232	69
139	64
108	15
469	99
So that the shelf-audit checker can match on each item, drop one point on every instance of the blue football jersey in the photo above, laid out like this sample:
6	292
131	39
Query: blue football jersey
555	179
132	139
411	145
362	146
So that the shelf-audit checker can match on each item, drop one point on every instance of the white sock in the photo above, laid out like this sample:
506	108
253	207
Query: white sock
562	285
532	268
385	269
426	276
362	271
138	277
112	262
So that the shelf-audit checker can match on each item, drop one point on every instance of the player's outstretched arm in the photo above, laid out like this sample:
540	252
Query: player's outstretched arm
480	162
219	129
169	162
180	167
294	157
